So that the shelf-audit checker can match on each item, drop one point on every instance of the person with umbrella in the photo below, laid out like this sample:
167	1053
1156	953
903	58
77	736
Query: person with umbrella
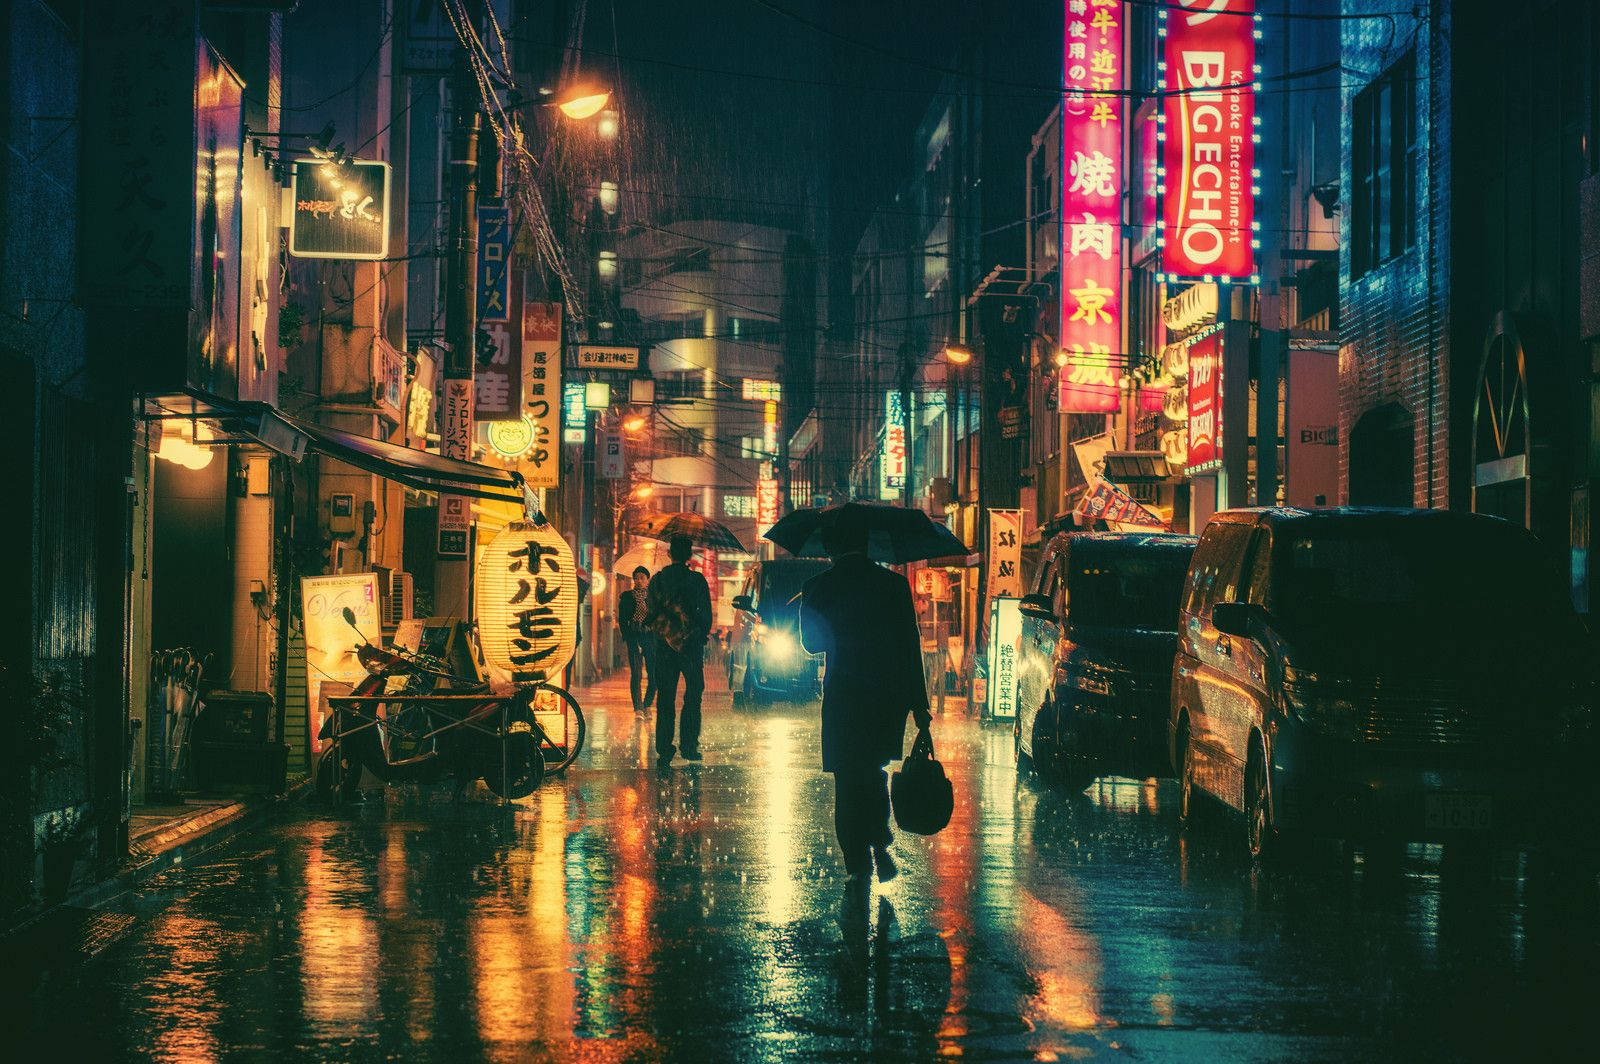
679	613
632	607
861	616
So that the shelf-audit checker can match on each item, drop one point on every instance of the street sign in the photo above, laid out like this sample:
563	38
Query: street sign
340	211
613	465
455	514
606	356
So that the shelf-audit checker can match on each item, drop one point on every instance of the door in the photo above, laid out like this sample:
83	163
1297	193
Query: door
744	623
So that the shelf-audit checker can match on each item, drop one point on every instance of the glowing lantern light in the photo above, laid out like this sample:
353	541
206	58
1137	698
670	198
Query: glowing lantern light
527	601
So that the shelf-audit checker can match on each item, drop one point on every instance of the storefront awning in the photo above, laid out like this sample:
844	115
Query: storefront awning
241	420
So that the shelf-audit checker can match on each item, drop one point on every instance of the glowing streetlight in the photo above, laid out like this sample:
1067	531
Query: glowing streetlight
644	491
957	355
1061	358
583	102
634	423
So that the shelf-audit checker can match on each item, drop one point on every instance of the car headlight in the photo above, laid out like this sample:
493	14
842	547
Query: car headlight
778	645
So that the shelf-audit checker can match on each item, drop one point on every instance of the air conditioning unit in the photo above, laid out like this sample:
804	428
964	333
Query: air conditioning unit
397	605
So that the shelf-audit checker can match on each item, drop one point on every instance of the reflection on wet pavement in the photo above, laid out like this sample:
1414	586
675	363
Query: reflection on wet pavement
700	914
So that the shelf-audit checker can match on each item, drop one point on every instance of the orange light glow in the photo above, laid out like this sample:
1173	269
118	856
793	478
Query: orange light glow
957	355
583	103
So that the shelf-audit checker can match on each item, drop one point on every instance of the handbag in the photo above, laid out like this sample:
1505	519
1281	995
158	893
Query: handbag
920	793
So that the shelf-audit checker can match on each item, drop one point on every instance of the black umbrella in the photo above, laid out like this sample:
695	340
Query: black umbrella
702	530
895	534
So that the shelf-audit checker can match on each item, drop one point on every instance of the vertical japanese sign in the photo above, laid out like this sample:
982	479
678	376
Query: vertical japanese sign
497	383
574	413
1205	403
1208	132
541	376
613	462
892	462
1005	553
1005	632
494	262
766	499
455	441
1092	184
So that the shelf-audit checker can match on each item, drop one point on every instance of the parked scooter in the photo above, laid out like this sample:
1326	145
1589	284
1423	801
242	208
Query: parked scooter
424	741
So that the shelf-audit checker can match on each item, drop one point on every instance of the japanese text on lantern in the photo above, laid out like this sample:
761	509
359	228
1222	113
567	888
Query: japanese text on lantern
1092	184
1208	129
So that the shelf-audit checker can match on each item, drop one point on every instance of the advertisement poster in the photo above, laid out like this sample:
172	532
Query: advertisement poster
1205	403
1208	151
1311	459
330	641
1092	118
541	390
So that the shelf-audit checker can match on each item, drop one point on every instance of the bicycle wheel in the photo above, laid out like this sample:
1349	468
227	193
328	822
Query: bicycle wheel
561	723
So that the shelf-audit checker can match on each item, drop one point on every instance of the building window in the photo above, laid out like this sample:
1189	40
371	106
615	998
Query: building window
753	447
738	506
1383	218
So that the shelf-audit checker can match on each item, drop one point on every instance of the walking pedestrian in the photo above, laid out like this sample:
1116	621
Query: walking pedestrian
861	616
680	616
632	607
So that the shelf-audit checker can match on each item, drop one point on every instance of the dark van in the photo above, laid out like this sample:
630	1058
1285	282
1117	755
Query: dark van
765	659
1095	664
1354	672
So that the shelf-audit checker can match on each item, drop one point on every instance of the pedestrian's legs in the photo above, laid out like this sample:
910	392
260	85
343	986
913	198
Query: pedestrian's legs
875	808
847	821
666	695
636	674
647	653
692	663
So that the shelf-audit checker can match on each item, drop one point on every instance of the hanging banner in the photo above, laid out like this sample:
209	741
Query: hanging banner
1005	634
1208	140
497	383
494	264
526	599
1005	554
1205	403
541	390
892	459
1092	184
1107	502
612	460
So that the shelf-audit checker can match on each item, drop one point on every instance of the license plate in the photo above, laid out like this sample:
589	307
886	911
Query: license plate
1458	812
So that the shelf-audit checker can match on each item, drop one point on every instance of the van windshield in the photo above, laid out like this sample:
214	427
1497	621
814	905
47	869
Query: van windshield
1407	572
1127	591
780	583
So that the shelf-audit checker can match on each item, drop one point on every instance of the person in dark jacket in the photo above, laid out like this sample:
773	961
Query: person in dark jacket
680	616
861	616
632	608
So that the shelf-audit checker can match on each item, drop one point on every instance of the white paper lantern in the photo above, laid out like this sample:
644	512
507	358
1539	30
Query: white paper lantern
527	601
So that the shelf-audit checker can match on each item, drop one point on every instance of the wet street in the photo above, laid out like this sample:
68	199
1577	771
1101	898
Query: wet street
698	915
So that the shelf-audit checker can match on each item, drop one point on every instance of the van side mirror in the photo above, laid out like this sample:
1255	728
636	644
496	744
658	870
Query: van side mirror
742	602
1233	618
1038	606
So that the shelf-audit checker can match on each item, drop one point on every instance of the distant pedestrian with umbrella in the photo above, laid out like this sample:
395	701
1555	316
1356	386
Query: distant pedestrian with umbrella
862	617
633	606
679	613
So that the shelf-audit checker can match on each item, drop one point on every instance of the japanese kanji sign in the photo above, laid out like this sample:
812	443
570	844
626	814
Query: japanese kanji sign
1205	403
892	462
541	398
1208	135
766	499
340	211
1092	184
497	384
455	521
527	601
494	264
455	441
1005	553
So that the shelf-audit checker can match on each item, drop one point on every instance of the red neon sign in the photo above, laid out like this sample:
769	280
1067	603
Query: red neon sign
1092	183
1205	403
1209	131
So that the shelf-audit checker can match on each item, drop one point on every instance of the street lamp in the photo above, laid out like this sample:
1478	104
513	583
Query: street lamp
583	101
957	355
634	423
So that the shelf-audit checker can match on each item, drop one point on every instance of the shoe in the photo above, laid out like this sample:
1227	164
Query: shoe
887	869
663	760
691	755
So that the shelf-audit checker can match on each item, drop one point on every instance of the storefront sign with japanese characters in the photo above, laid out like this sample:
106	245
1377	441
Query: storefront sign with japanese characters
766	499
541	378
1092	184
341	211
1208	140
1205	403
526	596
494	264
1005	553
892	462
497	391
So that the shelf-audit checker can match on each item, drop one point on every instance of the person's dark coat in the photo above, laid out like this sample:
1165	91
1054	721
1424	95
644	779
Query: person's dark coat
626	606
861	616
680	584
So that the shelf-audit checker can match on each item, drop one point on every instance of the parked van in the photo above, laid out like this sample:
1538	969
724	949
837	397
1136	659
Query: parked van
765	659
1094	668
1411	673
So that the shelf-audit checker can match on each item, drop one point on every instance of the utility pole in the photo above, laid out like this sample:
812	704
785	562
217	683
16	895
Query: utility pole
453	574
